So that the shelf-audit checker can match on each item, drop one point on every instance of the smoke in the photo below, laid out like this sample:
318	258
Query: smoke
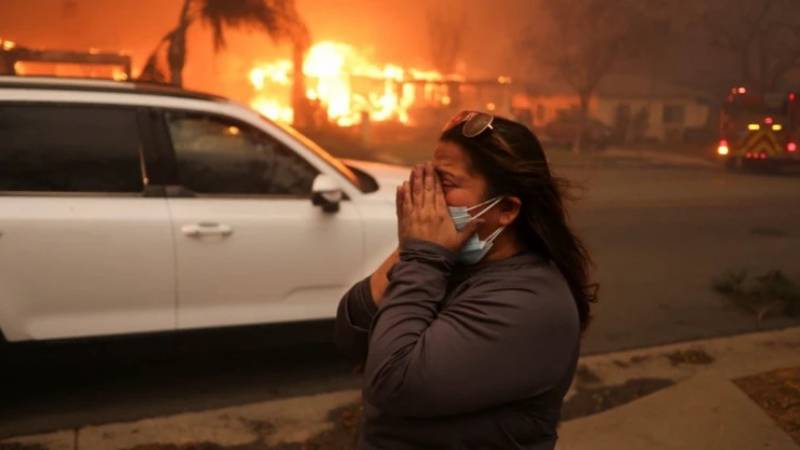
385	31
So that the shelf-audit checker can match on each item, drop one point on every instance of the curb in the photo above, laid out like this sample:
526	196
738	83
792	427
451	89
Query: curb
294	420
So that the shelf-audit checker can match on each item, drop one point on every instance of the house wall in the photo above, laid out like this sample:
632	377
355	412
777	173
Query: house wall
544	109
666	118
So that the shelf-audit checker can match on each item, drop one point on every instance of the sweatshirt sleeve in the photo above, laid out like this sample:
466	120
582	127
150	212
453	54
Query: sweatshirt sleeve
501	341
353	318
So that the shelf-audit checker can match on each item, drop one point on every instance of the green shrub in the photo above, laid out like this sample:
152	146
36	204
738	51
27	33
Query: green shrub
772	293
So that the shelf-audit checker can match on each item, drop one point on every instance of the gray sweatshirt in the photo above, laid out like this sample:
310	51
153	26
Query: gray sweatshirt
462	357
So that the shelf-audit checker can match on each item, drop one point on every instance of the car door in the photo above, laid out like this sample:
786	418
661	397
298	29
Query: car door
84	250
250	245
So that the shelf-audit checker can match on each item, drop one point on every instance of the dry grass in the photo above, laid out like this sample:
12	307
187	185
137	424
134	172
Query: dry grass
778	393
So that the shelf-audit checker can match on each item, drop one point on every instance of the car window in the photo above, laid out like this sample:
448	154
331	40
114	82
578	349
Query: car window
217	155
331	160
69	148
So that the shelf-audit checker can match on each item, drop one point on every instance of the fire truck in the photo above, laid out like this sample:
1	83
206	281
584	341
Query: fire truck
760	131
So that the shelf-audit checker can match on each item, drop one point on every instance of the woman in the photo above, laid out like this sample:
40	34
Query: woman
469	332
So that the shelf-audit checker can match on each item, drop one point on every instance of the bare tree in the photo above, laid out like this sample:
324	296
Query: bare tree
581	41
763	36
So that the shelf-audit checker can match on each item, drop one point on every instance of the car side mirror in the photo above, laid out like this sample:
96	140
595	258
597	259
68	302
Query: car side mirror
325	192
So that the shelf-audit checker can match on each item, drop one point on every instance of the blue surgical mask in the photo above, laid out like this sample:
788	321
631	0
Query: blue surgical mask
462	217
474	249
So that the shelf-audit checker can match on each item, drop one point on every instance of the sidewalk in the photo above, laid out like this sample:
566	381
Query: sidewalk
703	408
660	157
619	156
704	412
678	396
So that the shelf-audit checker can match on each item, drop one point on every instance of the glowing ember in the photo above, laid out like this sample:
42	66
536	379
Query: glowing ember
346	86
6	44
119	74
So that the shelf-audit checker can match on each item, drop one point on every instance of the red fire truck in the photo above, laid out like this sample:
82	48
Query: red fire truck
760	131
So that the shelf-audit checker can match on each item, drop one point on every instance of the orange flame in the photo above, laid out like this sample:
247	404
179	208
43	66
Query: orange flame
346	85
6	44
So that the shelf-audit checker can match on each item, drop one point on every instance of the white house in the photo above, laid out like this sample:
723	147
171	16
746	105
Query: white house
636	108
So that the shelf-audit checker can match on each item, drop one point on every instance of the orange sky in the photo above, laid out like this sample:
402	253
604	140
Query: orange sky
387	31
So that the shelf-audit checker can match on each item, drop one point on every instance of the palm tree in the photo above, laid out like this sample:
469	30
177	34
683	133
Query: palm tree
279	18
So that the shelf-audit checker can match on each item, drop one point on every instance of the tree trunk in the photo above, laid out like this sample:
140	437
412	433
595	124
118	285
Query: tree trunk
176	52
583	121
302	111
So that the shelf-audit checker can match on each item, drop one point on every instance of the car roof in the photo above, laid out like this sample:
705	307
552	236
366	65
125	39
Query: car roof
95	85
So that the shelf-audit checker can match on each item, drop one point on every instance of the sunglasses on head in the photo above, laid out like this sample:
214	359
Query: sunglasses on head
475	124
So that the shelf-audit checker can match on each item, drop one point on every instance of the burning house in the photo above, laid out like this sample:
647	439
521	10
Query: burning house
347	89
19	60
343	87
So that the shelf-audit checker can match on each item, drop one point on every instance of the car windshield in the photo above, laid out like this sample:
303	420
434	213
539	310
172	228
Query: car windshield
319	151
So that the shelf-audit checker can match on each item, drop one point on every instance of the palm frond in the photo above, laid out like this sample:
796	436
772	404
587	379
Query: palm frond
153	69
276	17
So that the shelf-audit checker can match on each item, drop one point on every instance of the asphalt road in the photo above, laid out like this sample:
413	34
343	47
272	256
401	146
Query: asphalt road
659	235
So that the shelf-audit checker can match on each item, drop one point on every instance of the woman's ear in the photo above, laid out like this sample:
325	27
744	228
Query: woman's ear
510	207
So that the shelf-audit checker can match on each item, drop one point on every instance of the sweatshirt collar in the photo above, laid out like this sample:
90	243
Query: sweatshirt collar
523	258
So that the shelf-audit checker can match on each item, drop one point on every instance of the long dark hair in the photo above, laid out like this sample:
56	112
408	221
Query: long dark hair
520	168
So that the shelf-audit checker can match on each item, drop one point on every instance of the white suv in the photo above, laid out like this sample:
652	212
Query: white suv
127	208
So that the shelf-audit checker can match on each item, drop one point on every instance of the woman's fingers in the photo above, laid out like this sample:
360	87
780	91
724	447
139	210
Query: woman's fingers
407	204
398	200
416	186
429	195
438	194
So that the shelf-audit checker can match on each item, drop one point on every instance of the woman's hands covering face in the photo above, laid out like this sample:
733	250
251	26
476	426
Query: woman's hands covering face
422	211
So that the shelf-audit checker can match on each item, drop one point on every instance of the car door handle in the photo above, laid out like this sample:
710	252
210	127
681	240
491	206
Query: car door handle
206	229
